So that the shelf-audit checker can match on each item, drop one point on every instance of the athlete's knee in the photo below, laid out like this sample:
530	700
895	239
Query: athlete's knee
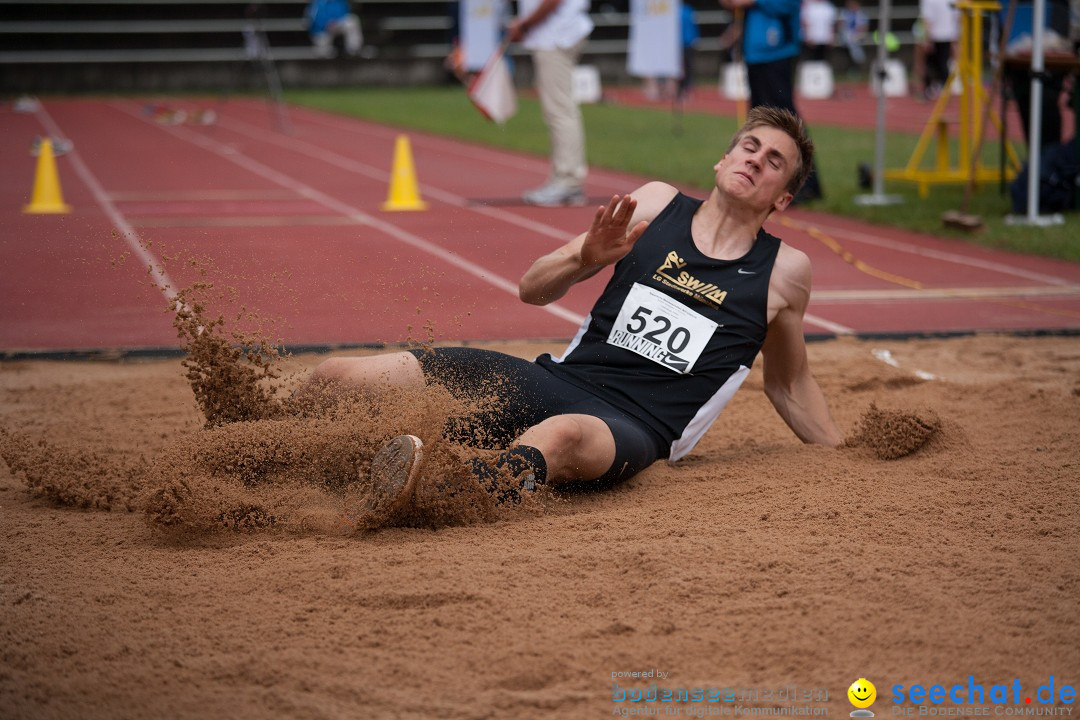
563	433
576	447
561	439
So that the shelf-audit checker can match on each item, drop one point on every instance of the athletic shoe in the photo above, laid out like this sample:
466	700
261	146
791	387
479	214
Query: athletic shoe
554	196
394	471
60	146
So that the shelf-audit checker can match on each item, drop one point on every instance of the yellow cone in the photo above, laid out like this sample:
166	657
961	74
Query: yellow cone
47	197
404	194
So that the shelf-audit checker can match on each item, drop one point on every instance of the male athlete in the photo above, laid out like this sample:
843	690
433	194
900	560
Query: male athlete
698	289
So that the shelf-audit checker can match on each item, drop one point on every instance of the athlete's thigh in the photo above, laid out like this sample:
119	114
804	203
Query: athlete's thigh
386	370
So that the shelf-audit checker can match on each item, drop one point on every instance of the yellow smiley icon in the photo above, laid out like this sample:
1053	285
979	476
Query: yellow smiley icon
862	693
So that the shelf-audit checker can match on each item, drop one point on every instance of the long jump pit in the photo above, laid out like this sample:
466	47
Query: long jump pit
181	538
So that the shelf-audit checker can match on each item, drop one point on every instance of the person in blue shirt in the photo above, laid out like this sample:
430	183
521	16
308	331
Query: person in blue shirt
854	26
327	18
772	39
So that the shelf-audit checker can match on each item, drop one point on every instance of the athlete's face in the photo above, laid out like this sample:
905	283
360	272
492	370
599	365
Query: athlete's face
759	167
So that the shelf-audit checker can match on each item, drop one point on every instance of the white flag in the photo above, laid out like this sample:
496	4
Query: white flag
492	91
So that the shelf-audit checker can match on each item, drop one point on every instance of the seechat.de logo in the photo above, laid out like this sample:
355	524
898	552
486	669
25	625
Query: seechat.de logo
1005	698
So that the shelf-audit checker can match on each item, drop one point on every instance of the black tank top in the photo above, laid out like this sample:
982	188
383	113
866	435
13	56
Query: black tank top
675	332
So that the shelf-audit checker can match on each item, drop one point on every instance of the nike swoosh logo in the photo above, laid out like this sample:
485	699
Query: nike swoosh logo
746	272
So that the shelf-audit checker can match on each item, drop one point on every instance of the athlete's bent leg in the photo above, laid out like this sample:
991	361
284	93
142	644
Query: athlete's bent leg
562	448
575	447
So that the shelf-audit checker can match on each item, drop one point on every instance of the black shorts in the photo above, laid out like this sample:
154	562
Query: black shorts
525	395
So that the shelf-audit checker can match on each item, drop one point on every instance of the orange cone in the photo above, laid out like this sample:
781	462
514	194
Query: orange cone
47	198
404	193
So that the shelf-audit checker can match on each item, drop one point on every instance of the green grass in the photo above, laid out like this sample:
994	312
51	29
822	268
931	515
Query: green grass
654	144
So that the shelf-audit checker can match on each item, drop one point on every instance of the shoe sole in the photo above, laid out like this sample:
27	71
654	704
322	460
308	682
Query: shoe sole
394	472
578	202
573	201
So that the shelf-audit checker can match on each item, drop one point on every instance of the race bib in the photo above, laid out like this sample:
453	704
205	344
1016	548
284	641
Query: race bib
661	329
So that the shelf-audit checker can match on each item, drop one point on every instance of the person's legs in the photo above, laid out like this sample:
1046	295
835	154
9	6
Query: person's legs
938	67
1020	84
918	70
856	54
554	84
324	44
686	82
592	445
561	449
772	84
553	431
349	27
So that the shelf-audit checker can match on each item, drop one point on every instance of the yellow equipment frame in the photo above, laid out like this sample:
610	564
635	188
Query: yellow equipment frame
973	112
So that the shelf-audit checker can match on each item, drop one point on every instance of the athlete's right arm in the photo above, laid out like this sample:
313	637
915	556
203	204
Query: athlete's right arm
615	229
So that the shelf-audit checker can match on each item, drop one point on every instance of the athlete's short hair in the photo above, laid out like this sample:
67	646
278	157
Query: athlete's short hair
792	125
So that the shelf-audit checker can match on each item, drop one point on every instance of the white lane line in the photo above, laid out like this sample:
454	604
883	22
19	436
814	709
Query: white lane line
375	173
235	156
209	196
901	246
828	324
149	260
886	357
150	221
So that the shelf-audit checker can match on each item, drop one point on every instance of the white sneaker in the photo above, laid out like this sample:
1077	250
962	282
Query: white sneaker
554	196
394	471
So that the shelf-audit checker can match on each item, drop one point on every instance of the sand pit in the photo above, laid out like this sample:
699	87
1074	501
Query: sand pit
942	542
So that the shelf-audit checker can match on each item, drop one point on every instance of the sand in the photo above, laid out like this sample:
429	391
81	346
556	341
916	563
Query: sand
153	563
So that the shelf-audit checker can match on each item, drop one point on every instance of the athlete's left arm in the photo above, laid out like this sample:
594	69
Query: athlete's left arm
789	384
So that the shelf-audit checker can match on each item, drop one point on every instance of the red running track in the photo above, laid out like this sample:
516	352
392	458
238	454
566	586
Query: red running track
291	226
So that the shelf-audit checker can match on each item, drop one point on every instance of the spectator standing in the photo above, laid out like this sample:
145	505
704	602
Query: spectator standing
554	31
941	21
819	28
329	18
1018	75
854	25
772	39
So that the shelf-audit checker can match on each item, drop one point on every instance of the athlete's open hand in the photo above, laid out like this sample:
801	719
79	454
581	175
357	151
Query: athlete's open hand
609	240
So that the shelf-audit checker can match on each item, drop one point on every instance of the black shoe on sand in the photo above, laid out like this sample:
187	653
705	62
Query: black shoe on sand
394	471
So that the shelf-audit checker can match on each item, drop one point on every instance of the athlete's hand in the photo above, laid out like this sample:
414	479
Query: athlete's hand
608	239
